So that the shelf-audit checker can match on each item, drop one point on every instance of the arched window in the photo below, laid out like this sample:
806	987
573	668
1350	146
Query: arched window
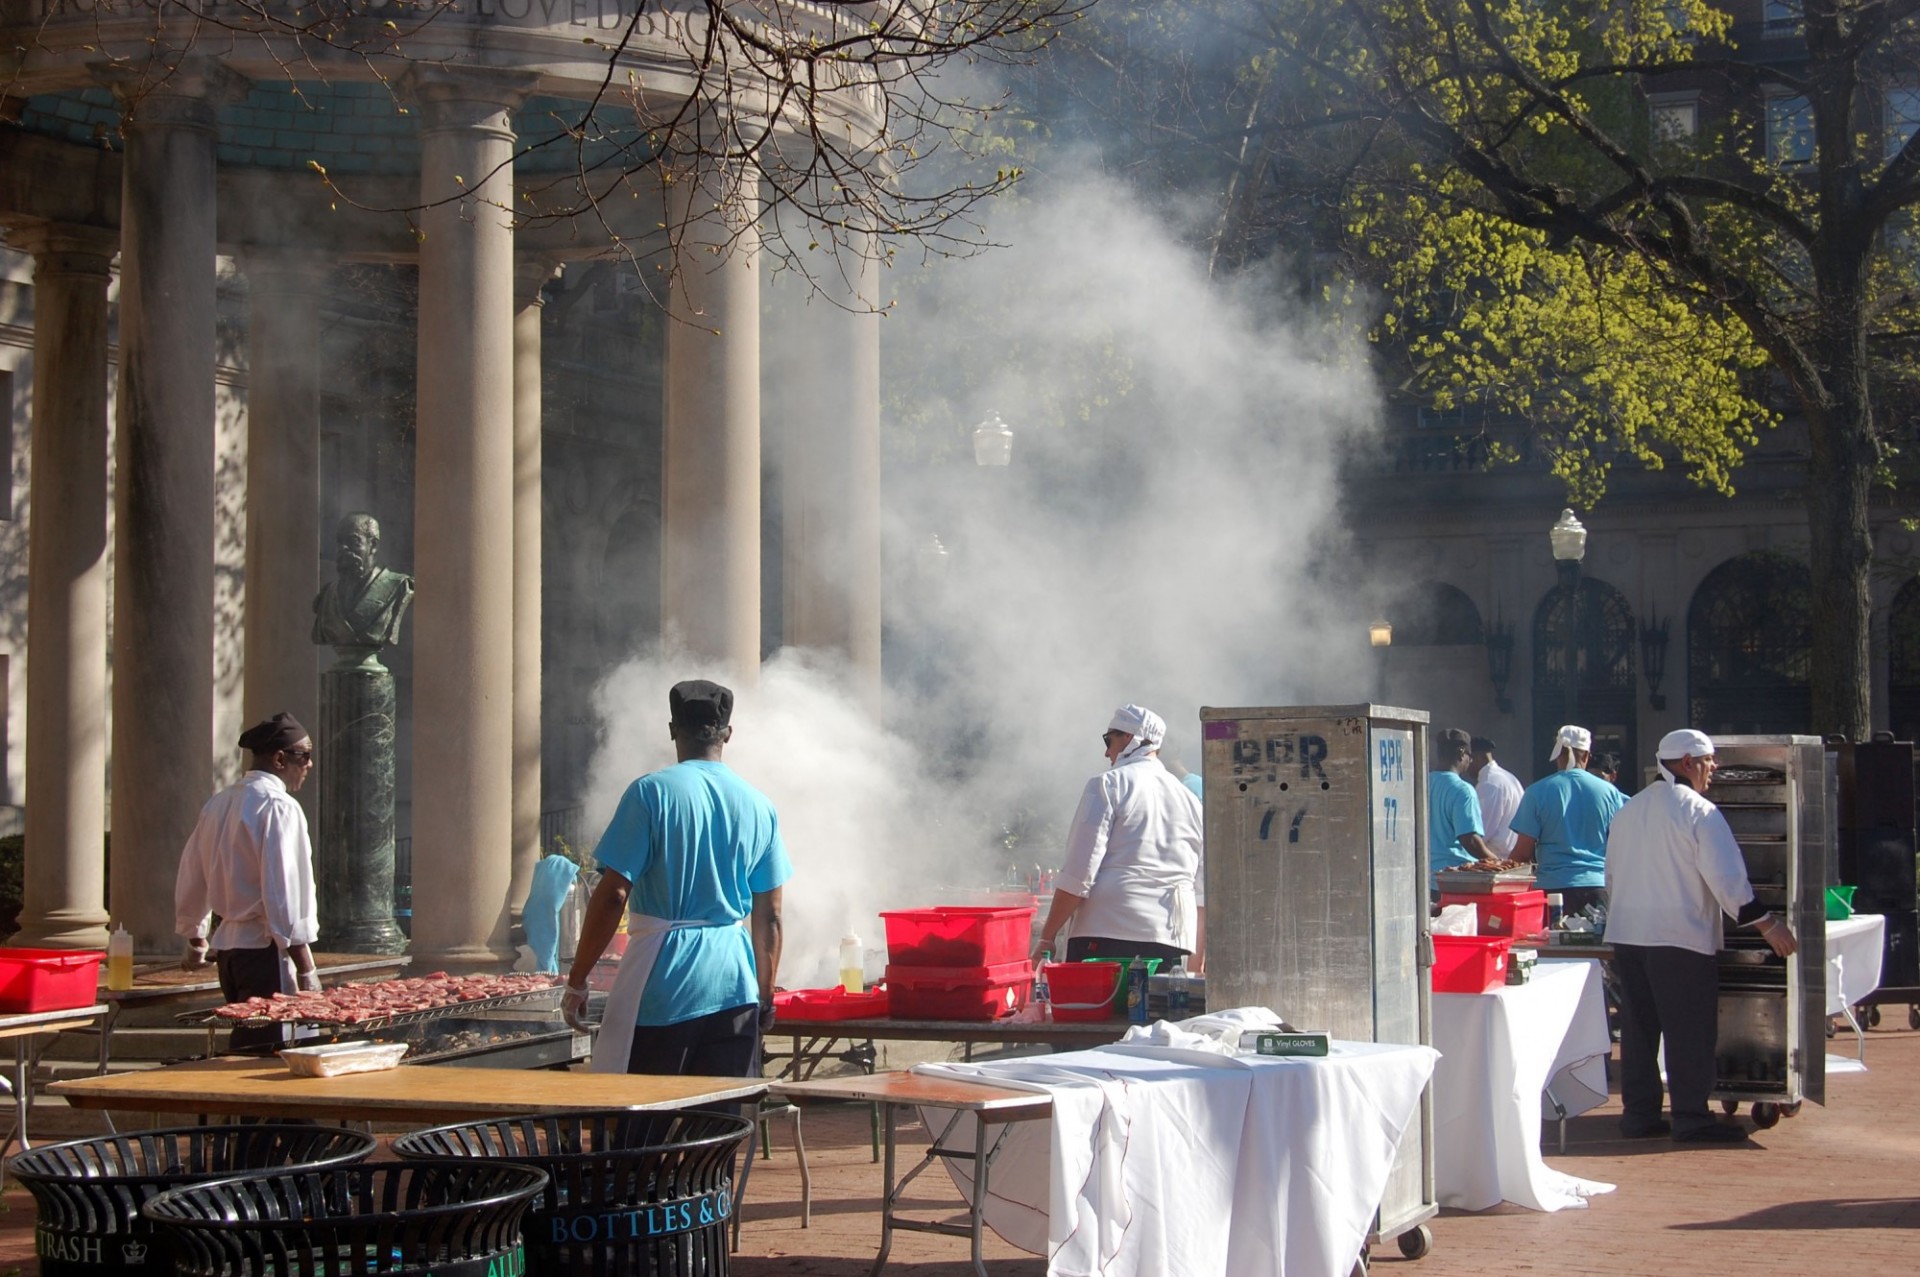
1601	636
1903	662
1750	647
1435	615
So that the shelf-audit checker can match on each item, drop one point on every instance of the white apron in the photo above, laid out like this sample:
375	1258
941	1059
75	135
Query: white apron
613	1045
1182	917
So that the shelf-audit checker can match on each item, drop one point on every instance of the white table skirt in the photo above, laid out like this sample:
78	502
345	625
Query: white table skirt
1499	1051
1160	1162
1854	949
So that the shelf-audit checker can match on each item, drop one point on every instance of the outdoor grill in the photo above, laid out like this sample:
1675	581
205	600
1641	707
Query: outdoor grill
511	1031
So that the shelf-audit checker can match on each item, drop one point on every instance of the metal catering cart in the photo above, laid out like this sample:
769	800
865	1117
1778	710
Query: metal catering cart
1775	794
1317	906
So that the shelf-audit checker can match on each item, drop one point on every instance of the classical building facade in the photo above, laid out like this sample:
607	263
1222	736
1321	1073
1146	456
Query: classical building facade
212	354
1692	607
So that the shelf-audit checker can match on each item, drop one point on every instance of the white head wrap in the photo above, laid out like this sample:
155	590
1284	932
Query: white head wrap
1685	743
1570	737
1147	728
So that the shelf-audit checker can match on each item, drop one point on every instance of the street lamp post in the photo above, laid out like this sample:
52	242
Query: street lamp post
992	442
1380	635
1569	540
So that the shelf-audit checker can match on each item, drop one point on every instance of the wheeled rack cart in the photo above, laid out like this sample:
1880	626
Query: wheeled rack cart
1771	1054
1317	893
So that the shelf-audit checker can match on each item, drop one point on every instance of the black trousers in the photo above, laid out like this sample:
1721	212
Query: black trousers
1080	948
1672	994
724	1044
250	973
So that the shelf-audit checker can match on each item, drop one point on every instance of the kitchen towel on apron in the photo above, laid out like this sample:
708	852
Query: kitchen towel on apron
613	1046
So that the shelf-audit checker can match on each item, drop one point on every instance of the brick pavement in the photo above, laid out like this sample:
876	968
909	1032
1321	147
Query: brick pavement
1834	1188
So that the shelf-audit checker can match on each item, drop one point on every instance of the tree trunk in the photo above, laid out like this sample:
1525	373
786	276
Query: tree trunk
1840	538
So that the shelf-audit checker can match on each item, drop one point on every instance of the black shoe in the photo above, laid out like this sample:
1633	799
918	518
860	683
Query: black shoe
1645	1130
1717	1133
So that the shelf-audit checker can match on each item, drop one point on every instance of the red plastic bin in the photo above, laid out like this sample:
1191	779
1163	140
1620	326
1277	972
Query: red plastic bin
1081	991
958	993
1469	964
49	979
830	1004
958	936
1512	914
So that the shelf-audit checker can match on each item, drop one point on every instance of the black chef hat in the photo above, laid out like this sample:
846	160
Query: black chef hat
282	731
699	703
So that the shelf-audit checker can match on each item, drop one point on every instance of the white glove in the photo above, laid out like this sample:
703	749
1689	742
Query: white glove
573	1009
195	957
310	981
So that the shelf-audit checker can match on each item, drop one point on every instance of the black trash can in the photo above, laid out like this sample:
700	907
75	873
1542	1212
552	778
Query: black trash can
449	1218
628	1194
88	1193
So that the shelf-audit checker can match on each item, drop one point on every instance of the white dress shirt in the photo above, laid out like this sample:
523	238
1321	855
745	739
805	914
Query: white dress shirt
1136	853
249	860
1499	791
1673	869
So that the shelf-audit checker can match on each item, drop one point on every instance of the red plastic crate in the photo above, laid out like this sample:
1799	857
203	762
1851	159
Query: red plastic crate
958	993
1080	991
1469	964
958	936
830	1004
49	979
1510	914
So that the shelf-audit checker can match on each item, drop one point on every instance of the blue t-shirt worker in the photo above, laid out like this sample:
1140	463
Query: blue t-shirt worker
692	852
1455	835
1562	824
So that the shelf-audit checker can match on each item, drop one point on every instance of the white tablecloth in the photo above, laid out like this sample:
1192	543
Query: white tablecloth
1854	949
1498	1053
1160	1162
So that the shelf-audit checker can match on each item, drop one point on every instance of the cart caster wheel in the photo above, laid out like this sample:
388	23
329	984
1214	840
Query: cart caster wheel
1729	1107
1766	1116
1873	1018
1831	1030
1913	1017
1790	1110
1415	1243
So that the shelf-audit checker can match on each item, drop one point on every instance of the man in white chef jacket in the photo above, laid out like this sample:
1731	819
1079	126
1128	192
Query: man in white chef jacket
250	861
1134	881
1499	792
1673	870
692	852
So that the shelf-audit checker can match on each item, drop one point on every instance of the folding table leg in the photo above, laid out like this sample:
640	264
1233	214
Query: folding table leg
886	1196
981	1161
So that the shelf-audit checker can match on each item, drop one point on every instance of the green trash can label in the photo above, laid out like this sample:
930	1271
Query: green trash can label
641	1222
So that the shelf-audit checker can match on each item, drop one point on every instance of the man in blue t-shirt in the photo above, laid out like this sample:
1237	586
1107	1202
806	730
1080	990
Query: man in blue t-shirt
1562	824
692	852
1455	835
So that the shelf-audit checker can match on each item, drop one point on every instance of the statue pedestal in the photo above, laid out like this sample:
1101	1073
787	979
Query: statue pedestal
353	858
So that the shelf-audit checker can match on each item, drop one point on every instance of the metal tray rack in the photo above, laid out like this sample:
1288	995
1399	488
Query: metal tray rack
424	1029
530	1000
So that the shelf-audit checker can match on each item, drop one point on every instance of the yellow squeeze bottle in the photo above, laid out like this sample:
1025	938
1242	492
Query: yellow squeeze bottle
119	960
852	966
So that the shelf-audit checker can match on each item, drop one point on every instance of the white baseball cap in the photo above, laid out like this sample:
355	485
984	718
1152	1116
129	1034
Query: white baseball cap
1570	737
1685	743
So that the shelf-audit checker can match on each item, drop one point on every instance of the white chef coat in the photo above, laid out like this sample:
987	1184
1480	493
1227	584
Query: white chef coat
249	860
1499	791
1136	848
1673	869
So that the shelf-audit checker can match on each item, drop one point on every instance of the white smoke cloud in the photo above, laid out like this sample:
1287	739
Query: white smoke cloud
1166	534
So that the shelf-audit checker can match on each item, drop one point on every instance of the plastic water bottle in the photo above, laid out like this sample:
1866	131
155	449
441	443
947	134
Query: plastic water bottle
1137	991
1041	998
1177	992
120	960
852	964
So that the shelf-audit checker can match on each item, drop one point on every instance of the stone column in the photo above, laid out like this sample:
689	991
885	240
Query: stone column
463	524
283	490
163	493
530	277
831	474
65	873
710	595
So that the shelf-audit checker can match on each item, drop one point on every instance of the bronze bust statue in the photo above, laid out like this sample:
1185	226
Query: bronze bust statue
360	613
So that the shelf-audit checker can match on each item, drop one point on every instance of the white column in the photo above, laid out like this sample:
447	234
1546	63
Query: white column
711	509
65	874
463	525
163	495
283	490
530	276
830	471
